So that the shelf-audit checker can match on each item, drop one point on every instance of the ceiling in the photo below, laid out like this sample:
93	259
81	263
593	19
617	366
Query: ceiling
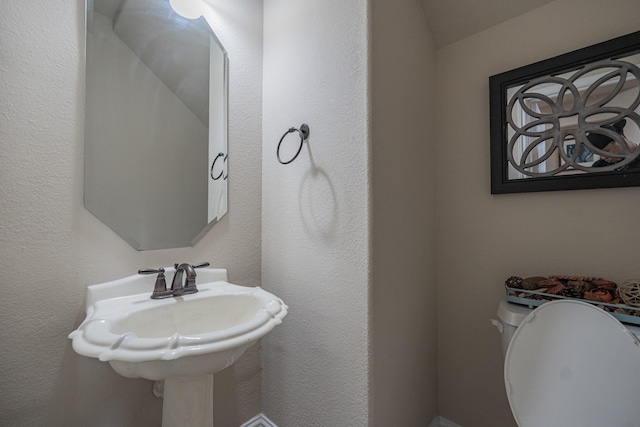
453	20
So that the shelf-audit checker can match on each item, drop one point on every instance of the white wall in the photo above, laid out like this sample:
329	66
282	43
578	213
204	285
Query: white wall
484	239
336	247
315	240
51	248
403	303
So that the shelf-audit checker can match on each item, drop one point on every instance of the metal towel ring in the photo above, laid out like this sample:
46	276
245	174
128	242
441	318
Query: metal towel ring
304	135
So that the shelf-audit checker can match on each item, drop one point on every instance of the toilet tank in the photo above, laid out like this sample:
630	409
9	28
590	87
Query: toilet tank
510	316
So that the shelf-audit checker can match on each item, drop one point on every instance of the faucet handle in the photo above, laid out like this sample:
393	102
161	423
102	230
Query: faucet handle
202	264
150	270
160	288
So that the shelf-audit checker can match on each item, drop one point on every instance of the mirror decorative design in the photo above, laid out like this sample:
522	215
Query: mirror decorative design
569	122
155	152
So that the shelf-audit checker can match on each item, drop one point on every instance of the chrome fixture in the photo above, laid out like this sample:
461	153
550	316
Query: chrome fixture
177	288
189	287
304	136
160	289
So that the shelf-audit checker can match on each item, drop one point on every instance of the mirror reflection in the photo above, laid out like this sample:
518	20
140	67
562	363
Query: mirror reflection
155	123
581	121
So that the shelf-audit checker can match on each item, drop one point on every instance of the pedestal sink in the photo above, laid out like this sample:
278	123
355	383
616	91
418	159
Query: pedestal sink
181	340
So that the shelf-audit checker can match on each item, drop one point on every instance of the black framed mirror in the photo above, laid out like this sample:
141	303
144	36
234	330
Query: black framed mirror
570	122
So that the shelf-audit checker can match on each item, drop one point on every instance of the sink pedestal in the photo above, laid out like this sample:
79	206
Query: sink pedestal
188	402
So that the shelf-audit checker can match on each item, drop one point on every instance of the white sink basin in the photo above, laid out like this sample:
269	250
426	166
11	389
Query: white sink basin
188	336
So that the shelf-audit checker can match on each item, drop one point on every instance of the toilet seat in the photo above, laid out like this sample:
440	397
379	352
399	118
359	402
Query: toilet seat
571	364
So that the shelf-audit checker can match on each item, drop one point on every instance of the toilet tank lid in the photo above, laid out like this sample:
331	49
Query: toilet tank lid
512	314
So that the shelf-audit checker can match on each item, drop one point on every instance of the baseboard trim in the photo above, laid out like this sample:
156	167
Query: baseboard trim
443	422
259	420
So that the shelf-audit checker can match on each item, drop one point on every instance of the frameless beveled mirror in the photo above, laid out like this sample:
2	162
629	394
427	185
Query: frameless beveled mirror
569	122
155	140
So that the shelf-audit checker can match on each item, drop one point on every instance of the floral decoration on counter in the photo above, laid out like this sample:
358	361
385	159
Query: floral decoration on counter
621	299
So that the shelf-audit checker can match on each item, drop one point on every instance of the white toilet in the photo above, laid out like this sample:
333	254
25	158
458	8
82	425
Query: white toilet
570	364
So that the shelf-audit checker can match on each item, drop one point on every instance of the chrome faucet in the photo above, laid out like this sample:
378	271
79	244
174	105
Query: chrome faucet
177	288
189	287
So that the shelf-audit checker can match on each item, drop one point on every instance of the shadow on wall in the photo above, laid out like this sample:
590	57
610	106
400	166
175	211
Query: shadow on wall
318	202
